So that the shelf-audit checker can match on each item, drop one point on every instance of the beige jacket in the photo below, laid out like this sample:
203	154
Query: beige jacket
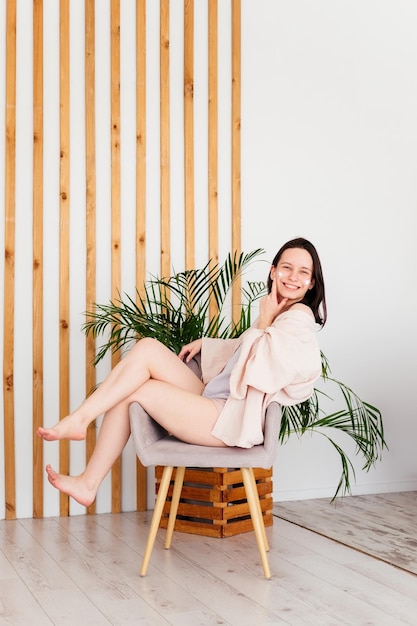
280	363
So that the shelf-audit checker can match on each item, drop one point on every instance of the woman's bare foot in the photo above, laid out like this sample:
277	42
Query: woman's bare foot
70	427
73	486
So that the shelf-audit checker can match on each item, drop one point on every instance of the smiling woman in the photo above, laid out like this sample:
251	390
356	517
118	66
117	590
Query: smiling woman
277	359
183	320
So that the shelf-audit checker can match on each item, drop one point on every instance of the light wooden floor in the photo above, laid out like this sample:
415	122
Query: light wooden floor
84	570
383	524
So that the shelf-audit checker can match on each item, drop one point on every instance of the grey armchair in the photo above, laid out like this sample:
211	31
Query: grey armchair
154	446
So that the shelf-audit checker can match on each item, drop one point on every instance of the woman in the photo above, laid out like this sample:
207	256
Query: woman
277	359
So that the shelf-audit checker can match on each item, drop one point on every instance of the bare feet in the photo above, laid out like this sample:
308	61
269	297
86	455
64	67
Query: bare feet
70	427
73	486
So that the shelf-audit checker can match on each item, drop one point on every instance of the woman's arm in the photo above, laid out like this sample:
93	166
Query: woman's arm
280	356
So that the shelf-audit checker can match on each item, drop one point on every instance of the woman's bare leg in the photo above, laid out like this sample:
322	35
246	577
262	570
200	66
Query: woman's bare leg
187	415
112	438
147	359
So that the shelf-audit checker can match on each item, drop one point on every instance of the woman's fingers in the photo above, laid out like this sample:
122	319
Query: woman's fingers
190	350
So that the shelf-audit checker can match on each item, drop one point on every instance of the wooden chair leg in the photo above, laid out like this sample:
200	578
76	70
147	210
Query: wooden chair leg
256	515
260	510
156	517
258	507
179	479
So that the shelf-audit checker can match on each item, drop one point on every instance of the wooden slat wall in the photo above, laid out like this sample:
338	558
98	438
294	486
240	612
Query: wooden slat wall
236	202
165	139
115	203
37	255
213	139
64	252
140	192
91	62
9	264
90	226
189	132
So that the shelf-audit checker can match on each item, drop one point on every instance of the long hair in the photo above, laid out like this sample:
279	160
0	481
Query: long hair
315	297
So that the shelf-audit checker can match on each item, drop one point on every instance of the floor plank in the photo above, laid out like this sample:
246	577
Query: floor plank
381	525
85	570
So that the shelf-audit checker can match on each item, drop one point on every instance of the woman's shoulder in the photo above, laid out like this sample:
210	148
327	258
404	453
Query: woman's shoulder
300	307
298	316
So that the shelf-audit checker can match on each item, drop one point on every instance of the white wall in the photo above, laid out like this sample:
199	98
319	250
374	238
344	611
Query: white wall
329	152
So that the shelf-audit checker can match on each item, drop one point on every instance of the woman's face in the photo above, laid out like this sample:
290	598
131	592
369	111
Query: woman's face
293	275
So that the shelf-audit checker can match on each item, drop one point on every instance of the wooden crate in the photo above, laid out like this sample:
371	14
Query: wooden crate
213	501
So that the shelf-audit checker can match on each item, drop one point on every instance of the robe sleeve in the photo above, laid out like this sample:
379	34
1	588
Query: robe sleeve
214	355
282	359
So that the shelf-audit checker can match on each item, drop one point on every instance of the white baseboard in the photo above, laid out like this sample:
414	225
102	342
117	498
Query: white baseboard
357	490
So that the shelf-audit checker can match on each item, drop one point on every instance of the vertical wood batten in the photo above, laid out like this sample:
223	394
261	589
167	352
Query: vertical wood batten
115	205
90	151
64	258
236	148
37	255
9	263
213	139
165	142
141	494
189	133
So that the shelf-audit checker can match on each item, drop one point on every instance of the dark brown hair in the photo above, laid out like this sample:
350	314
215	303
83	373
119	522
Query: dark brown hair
315	297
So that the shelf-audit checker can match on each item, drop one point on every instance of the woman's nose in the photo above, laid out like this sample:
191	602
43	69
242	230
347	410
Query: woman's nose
293	275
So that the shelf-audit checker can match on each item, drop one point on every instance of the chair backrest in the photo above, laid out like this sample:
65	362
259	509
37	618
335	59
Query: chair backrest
271	429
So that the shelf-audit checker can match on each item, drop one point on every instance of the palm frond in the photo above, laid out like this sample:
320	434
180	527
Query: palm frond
233	267
359	420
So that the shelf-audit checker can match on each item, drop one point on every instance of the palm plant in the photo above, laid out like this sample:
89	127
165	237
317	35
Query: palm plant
357	419
176	310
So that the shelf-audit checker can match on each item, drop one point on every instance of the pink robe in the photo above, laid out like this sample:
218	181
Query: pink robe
280	363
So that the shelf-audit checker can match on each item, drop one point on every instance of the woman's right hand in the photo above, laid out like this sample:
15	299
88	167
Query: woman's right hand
189	351
270	307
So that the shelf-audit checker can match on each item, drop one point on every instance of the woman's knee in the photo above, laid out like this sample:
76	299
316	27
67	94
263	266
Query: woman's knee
147	346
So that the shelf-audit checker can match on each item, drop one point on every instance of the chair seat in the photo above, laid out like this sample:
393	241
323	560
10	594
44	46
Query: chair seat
154	445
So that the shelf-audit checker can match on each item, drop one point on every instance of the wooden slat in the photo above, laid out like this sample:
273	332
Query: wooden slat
64	259
189	133
140	143
141	492
37	255
9	261
213	139
236	141
115	204
90	150
165	143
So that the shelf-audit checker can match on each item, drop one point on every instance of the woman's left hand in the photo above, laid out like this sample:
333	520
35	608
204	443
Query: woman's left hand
189	351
